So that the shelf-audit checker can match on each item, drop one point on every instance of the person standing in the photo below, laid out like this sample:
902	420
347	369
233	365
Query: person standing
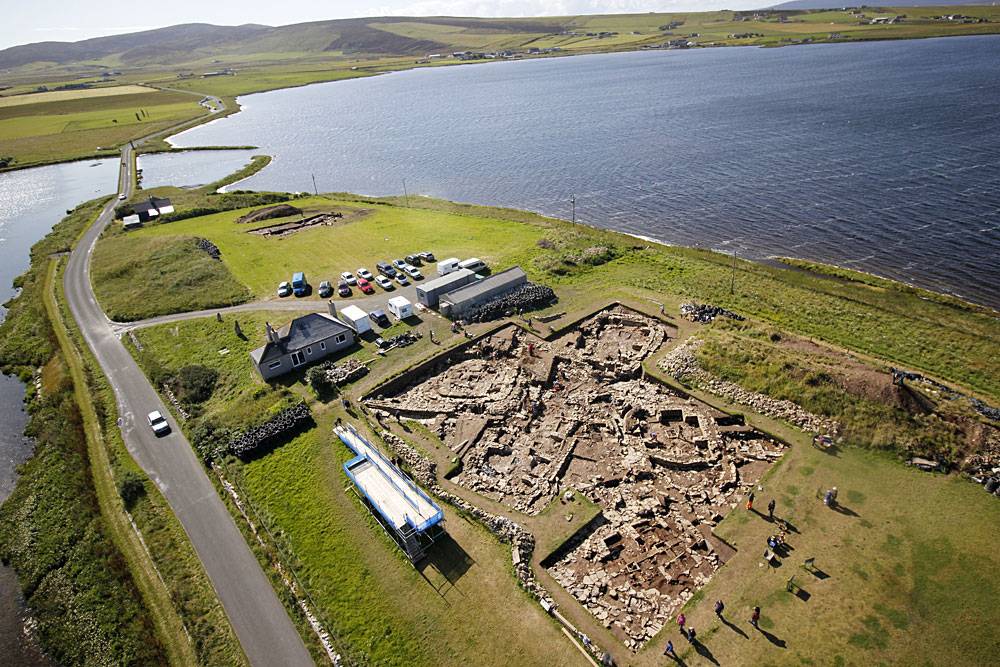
755	617
750	501
719	606
680	622
670	648
770	509
691	635
829	498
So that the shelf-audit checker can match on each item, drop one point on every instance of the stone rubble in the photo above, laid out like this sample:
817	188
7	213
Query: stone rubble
529	419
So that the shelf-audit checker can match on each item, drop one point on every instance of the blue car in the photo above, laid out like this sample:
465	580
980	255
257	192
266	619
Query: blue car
299	284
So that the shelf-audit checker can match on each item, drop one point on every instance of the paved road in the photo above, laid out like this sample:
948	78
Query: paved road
258	617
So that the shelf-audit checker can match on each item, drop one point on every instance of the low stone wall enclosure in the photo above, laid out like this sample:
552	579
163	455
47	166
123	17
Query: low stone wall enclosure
529	419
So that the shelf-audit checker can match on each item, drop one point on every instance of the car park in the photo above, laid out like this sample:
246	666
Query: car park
413	272
426	256
385	269
365	273
366	286
158	423
384	282
379	317
349	277
413	259
343	289
402	279
325	289
398	264
284	289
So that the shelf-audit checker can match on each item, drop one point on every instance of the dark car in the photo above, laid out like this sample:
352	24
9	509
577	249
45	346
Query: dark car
365	286
426	256
413	259
386	270
343	289
325	289
379	317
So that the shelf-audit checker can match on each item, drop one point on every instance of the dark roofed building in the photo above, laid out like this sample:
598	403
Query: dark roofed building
152	207
303	340
457	303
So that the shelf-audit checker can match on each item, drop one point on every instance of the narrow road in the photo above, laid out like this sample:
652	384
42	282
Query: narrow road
260	621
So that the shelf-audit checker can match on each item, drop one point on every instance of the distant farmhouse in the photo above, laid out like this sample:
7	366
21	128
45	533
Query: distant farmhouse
147	210
303	340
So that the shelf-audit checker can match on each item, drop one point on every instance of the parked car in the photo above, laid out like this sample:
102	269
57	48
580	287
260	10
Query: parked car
365	273
343	289
402	279
349	277
384	282
413	272
413	259
299	284
284	289
398	264
325	289
379	317
385	269
160	425
366	286
426	256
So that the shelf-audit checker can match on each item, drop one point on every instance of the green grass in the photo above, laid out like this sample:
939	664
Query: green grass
139	279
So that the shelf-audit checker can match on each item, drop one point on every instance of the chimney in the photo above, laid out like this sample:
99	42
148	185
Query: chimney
271	335
333	307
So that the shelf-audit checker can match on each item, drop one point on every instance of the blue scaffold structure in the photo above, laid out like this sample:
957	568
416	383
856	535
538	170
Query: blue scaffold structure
410	518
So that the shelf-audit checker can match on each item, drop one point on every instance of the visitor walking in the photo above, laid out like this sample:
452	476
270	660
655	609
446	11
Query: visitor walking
755	617
719	606
828	500
691	635
750	501
680	622
670	648
770	509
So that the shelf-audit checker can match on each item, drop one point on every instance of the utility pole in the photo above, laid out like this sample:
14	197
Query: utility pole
406	195
732	282
572	200
315	189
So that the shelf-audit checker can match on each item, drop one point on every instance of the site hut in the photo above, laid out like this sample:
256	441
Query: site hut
429	293
409	517
151	208
303	340
400	307
354	317
131	221
458	303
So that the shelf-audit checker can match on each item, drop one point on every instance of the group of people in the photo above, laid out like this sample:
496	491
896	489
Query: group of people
689	633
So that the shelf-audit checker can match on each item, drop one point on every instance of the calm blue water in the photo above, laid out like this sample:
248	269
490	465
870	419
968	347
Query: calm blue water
191	168
883	157
31	202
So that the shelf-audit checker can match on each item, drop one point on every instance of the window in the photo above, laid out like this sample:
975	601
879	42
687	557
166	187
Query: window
298	358
340	338
322	345
275	364
309	350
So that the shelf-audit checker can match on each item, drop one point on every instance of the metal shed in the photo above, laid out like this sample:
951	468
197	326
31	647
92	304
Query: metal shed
429	293
465	299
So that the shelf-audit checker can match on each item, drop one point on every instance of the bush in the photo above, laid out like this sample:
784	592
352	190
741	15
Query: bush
197	383
131	487
320	381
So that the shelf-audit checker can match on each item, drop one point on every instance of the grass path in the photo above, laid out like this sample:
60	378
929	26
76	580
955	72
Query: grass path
155	595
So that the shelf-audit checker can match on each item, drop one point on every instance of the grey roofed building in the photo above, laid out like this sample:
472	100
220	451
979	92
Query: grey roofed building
466	299
303	340
430	292
152	207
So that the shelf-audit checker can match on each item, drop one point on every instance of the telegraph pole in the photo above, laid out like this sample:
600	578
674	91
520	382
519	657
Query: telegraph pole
315	189
406	195
572	200
732	282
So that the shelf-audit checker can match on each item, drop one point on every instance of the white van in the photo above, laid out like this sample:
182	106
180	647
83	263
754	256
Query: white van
446	266
473	264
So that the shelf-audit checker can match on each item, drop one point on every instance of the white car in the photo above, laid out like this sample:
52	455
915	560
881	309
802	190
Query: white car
121	197
384	282
366	274
413	272
284	289
158	423
349	278
402	280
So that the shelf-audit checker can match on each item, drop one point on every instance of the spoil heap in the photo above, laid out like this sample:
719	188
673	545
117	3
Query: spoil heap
530	419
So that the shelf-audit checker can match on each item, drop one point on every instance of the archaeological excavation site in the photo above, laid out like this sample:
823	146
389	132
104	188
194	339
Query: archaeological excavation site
528	419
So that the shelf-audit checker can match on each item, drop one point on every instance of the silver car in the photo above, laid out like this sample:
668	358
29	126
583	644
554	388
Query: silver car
158	423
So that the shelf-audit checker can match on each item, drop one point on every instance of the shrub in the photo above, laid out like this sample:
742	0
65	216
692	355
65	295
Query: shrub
131	487
197	383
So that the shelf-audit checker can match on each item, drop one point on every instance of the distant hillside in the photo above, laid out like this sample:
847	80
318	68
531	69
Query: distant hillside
826	4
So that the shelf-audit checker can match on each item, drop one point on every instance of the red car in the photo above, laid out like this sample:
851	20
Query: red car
365	286
343	289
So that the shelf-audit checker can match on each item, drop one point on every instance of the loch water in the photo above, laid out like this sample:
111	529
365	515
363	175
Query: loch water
881	157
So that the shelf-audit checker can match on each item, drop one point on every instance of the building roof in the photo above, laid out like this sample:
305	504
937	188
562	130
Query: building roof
153	204
444	281
512	276
353	313
299	333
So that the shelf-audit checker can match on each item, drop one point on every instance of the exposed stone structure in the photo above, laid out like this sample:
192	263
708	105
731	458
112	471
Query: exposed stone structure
529	419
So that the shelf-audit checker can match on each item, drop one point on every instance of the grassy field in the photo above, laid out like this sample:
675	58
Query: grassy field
65	128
